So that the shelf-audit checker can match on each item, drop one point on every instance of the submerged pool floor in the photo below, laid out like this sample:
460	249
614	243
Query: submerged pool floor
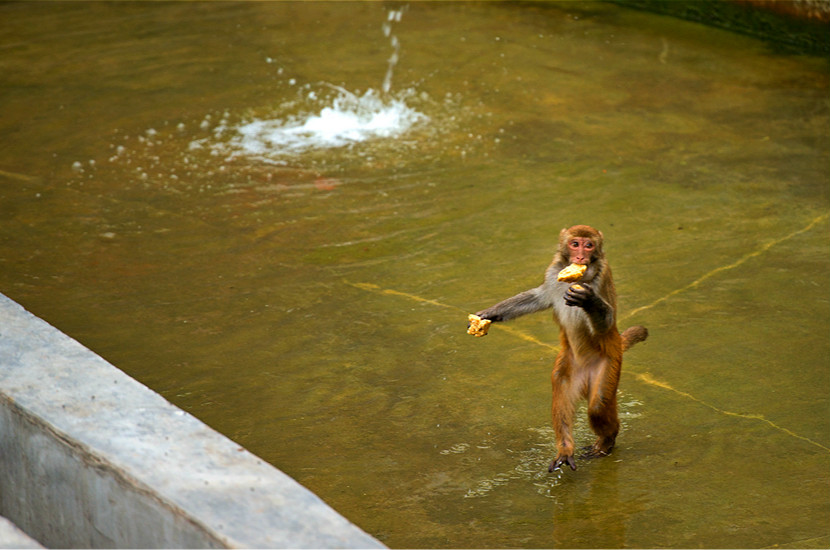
310	302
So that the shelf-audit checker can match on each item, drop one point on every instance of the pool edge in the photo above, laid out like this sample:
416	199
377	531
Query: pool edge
90	457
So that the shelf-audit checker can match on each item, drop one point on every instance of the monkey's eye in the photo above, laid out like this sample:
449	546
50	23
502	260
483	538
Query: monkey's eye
589	245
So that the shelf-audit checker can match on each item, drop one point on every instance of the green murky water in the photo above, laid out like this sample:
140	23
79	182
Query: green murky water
312	305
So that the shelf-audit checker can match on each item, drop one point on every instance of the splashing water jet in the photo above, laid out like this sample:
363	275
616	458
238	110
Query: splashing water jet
394	15
349	119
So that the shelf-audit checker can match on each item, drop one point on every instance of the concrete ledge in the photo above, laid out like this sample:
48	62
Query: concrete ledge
12	537
91	458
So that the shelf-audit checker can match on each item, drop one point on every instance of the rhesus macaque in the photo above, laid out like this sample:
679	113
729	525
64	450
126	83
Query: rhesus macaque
589	361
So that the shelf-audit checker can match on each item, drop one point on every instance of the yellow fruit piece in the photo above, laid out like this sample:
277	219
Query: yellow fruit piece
573	272
478	326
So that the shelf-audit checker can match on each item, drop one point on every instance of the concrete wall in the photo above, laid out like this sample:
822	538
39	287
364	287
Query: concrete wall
91	458
799	26
12	537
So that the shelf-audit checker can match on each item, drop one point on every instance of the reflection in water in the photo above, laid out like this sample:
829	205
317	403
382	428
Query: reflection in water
169	201
531	464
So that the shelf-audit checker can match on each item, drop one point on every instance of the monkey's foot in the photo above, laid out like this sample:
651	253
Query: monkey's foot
597	450
560	460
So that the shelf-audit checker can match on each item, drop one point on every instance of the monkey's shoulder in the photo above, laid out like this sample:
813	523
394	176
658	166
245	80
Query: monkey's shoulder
555	267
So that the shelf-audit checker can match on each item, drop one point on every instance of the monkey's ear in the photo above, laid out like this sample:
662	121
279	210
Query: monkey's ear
599	244
562	233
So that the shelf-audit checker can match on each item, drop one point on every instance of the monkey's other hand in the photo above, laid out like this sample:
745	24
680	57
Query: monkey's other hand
560	460
488	316
580	296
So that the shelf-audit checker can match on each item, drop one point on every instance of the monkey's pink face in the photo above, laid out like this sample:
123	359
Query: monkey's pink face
581	249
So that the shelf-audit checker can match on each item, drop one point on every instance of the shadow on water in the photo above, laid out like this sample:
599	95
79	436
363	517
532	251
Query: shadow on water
175	196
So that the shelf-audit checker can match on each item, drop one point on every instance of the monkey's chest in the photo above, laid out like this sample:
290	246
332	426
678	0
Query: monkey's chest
573	320
576	326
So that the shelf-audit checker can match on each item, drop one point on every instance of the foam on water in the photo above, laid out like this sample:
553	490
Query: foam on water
348	120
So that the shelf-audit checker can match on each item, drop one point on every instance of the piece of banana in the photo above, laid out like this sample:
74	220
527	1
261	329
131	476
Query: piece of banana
478	326
573	272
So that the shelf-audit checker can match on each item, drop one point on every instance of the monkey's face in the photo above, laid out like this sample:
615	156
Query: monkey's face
580	244
581	250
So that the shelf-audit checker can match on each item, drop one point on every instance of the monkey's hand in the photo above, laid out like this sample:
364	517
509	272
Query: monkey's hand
489	316
599	312
582	296
560	460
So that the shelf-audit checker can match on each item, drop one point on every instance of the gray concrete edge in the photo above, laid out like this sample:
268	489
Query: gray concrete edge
11	536
89	457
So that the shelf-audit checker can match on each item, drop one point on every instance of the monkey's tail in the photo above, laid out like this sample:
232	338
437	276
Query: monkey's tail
632	335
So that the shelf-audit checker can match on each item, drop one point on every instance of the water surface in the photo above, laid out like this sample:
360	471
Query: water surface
308	298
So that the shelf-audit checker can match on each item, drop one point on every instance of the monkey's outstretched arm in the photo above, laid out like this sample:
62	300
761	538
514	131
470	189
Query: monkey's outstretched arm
599	311
529	301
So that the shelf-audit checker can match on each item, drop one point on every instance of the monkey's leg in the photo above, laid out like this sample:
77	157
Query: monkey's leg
602	409
562	412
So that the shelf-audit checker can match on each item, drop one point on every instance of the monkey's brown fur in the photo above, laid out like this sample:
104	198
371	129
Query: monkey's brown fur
590	357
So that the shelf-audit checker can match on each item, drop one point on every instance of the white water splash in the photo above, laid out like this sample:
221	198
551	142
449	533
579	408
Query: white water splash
348	120
342	120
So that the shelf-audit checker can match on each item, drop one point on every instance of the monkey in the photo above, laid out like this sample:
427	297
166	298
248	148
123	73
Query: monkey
590	356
